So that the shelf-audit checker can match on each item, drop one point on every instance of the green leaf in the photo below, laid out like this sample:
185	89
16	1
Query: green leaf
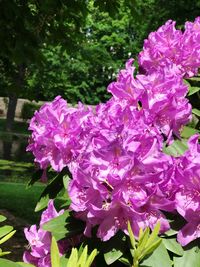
83	257
193	90
196	111
112	256
172	245
114	248
55	257
2	218
125	261
131	235
73	259
171	232
176	149
196	79
91	258
66	180
64	225
63	261
151	248
159	257
142	243
188	84
42	203
3	253
154	234
23	264
35	177
8	236
4	230
51	190
188	131
190	258
7	263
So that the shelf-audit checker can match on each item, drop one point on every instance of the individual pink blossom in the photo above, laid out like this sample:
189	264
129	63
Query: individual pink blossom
188	195
40	240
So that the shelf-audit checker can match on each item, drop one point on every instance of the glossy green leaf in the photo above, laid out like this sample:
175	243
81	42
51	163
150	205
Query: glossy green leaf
112	256
188	131
193	90
150	249
172	245
196	79
176	149
63	261
91	258
24	264
35	177
73	259
51	190
159	257
64	225
154	234
3	253
42	203
83	257
142	243
190	258
57	225
8	263
4	230
55	256
125	261
114	248
196	111
8	236
2	218
131	235
171	232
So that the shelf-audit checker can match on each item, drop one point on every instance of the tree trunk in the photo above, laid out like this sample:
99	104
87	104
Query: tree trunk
13	96
12	104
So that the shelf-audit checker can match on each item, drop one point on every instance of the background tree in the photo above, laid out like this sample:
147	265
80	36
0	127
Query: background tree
75	48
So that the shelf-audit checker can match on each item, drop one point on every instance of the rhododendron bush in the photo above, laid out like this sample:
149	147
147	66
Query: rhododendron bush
129	160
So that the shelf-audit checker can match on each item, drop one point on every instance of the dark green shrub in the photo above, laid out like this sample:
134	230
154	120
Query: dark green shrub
28	110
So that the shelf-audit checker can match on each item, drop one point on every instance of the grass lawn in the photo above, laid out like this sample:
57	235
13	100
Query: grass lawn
11	171
18	200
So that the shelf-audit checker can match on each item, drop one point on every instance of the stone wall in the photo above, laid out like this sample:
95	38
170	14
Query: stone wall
20	102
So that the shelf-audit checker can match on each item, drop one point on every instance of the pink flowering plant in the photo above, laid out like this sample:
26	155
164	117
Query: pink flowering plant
125	166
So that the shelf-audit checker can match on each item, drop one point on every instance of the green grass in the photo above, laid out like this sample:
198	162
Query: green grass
11	171
21	202
18	127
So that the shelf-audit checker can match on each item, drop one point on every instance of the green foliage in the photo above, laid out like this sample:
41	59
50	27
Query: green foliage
6	232
64	226
190	258
28	110
77	258
147	243
81	258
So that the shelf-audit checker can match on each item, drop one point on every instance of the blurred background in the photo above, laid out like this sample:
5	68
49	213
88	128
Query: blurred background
72	48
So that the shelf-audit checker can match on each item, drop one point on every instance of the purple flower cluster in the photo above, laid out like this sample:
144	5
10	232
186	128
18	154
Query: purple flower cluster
57	134
115	151
188	196
40	240
169	47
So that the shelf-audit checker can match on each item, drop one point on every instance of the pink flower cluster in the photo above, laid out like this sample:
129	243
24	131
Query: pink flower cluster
188	196
115	151
40	240
169	47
